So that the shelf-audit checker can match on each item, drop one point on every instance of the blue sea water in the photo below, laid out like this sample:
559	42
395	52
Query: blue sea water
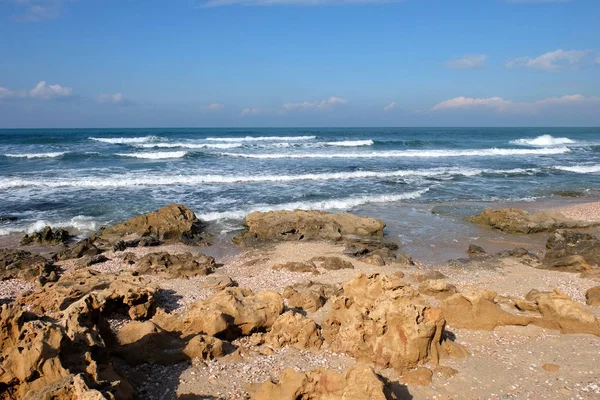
85	178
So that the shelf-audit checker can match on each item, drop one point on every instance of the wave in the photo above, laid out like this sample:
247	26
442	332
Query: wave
580	169
37	155
116	181
330	204
123	140
410	153
544	140
261	138
161	155
190	145
79	223
351	143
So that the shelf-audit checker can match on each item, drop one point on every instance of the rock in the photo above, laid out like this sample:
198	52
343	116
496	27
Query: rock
291	329
475	251
567	193
399	274
307	225
551	367
447	372
173	266
129	258
438	289
230	313
99	259
122	293
572	251
218	282
430	276
310	296
89	247
332	263
514	220
592	296
19	264
373	259
47	237
357	382
172	223
381	319
478	260
306	266
149	241
418	377
144	342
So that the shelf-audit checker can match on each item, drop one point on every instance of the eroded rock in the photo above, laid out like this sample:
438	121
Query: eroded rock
332	263
19	264
293	266
292	329
172	266
572	251
592	296
47	237
310	296
515	220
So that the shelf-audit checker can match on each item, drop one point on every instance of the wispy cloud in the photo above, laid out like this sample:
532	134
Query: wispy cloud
215	107
390	106
41	91
315	105
116	98
220	3
499	104
469	61
552	61
37	10
251	111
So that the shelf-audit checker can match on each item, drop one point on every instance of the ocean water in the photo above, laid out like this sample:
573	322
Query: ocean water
85	178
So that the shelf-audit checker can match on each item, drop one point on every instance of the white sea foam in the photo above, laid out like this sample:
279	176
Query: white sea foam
330	204
351	143
580	169
123	140
190	145
37	155
544	140
410	153
262	138
116	181
80	223
160	155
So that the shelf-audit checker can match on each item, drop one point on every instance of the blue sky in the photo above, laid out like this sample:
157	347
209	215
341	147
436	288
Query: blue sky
187	63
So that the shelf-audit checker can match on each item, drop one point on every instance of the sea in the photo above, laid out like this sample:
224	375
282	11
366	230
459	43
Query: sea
421	181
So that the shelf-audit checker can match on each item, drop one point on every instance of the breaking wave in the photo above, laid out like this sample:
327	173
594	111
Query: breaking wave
544	140
161	155
261	138
581	169
37	155
351	143
123	140
190	145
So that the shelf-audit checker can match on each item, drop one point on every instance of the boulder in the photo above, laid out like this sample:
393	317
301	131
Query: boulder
292	266
307	225
592	296
380	319
357	382
122	293
19	264
332	263
47	237
479	260
572	251
418	377
230	313
517	221
218	282
173	266
437	288
475	251
310	296
172	223
88	247
292	329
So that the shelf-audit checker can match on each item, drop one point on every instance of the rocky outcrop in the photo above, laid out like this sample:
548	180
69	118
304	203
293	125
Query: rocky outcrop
592	296
437	288
172	223
479	259
218	282
517	221
291	329
307	225
572	251
310	296
88	247
172	266
377	253
332	263
19	264
293	266
230	313
357	382
47	237
122	293
380	319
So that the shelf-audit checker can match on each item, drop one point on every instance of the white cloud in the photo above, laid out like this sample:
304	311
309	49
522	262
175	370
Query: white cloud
315	105
215	107
250	111
44	91
469	61
499	104
37	10
116	98
220	3
390	106
551	61
6	93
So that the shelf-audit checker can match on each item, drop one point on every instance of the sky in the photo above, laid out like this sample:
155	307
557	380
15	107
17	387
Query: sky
285	63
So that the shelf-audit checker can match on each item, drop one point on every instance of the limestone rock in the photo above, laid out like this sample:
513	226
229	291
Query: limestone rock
129	295
436	288
357	382
171	223
291	329
332	263
47	237
218	282
514	220
306	225
592	296
310	296
292	266
89	247
173	266
445	371
418	377
380	319
21	264
572	251
429	276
